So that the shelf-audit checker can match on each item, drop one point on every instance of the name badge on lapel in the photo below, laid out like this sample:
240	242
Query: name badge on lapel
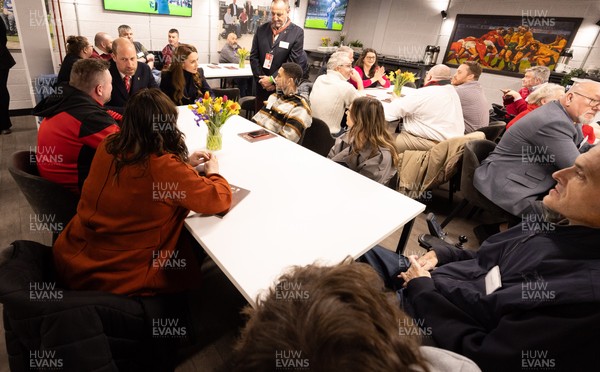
493	280
284	44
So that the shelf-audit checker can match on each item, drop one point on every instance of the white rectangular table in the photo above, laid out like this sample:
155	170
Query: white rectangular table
301	208
385	93
225	70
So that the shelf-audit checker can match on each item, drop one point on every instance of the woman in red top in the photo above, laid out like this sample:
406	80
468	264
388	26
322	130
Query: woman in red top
125	237
545	93
369	70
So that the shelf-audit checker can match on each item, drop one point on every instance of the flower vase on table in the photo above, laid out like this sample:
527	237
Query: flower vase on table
214	112
399	79
242	54
214	139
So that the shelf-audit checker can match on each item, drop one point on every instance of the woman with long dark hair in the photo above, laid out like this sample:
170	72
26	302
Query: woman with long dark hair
184	82
366	147
78	48
369	70
141	186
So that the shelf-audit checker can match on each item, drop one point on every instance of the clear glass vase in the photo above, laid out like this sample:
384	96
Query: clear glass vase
242	63
397	90
214	140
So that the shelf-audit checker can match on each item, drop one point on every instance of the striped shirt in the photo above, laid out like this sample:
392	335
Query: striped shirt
287	116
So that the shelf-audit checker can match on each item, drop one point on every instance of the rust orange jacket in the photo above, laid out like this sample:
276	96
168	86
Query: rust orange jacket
124	237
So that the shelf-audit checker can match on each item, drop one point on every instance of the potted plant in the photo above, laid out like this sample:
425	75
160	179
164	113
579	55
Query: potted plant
357	45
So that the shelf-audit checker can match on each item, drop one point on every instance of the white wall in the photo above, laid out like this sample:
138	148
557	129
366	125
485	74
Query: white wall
399	28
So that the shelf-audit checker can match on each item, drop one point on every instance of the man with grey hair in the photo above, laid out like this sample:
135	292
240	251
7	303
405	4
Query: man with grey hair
514	102
102	46
332	94
519	170
431	114
75	122
141	51
355	76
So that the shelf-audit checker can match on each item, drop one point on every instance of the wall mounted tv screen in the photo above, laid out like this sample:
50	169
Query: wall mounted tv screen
326	14
181	8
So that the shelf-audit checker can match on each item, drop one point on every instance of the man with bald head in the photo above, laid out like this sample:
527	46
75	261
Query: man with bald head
128	74
275	43
431	114
102	46
519	170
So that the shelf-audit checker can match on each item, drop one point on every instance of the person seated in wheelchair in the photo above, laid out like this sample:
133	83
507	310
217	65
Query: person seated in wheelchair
530	289
231	24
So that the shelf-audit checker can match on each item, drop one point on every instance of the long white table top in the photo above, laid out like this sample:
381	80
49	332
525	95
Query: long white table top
225	70
385	96
301	208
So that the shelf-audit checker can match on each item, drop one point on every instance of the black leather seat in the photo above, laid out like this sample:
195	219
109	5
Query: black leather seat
318	138
49	200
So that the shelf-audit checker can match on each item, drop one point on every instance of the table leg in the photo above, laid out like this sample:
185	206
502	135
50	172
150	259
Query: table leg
406	230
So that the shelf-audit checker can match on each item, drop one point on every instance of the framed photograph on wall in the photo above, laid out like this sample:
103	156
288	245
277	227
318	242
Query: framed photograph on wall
510	44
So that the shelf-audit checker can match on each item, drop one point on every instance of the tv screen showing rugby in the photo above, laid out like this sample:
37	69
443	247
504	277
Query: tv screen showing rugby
181	8
326	14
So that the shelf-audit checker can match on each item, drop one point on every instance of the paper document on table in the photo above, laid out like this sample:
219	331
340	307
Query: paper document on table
237	194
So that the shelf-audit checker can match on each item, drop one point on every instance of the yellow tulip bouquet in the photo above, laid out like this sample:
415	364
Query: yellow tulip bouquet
214	112
399	79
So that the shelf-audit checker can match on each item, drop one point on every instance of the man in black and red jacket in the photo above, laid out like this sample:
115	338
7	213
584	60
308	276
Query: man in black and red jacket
75	122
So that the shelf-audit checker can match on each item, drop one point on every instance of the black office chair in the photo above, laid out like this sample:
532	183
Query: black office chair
474	153
46	198
318	138
494	130
248	104
231	93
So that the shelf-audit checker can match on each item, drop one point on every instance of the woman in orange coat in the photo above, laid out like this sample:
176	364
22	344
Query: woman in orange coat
125	237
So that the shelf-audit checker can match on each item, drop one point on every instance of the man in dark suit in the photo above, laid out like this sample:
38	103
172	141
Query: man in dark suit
519	171
128	75
6	62
235	11
273	44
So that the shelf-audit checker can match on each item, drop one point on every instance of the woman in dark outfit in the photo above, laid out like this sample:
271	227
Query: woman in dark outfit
184	82
78	48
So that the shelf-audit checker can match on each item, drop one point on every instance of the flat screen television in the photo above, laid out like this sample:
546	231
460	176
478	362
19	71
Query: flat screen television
326	14
181	8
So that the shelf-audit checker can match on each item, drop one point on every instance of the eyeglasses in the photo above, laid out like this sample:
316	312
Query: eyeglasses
370	57
592	102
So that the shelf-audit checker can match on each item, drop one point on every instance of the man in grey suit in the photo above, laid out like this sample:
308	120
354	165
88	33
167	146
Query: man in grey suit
519	171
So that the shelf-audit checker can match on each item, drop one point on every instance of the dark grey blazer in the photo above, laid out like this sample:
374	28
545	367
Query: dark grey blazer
519	170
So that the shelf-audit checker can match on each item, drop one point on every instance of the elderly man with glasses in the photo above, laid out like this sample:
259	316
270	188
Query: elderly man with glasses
519	171
332	94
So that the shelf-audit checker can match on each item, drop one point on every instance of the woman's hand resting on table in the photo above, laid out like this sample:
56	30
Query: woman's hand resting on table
211	164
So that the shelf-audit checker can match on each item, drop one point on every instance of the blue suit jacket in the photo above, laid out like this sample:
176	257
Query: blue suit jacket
141	79
519	170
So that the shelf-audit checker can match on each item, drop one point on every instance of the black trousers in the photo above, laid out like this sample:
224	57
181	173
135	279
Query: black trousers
4	101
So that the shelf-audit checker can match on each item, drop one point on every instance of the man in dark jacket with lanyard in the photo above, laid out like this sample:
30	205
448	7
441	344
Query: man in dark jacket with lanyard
275	43
530	297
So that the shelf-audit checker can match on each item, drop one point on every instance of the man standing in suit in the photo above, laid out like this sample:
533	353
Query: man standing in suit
128	75
6	62
273	44
519	171
235	12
